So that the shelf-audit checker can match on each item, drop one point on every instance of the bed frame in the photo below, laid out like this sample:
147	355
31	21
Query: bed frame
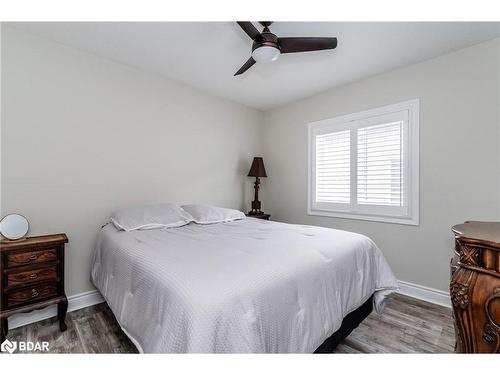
351	321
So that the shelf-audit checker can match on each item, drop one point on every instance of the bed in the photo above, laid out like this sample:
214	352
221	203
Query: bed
246	286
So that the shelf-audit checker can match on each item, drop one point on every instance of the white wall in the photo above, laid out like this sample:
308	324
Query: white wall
459	155
82	136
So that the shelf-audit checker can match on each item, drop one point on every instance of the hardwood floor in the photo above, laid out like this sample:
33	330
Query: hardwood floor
407	325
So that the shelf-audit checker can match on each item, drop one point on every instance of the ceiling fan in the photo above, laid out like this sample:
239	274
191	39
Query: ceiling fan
267	47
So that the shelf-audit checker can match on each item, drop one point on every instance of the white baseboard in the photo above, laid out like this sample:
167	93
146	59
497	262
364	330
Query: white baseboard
75	302
93	297
425	293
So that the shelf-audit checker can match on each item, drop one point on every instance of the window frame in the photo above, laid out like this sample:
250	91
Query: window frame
400	215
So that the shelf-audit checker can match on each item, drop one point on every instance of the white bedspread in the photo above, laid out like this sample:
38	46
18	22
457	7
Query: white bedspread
246	286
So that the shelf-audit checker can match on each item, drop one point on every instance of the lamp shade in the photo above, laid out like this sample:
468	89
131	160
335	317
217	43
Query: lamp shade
257	169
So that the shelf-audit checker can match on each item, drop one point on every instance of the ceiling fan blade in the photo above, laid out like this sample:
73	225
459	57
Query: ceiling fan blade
249	28
291	45
245	66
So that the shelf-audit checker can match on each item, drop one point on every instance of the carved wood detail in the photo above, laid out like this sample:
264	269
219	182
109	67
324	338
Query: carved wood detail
475	287
460	288
492	329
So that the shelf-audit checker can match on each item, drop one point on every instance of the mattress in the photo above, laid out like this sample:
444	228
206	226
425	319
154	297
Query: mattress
247	286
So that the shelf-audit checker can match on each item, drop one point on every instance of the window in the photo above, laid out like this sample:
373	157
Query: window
365	165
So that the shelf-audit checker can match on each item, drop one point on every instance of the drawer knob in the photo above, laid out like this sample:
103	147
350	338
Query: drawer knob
33	275
34	293
33	257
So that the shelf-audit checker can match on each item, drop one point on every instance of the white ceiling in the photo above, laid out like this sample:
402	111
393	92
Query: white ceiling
205	55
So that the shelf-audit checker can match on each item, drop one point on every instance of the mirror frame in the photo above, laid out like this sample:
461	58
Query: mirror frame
21	238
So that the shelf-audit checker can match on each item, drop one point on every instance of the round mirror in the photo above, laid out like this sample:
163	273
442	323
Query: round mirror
14	226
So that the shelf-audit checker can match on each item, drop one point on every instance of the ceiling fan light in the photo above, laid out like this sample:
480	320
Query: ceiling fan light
265	54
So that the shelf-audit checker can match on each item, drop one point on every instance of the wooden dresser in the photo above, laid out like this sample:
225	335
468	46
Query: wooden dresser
475	287
32	277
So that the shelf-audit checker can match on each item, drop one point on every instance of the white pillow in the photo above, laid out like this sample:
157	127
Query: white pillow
203	214
166	215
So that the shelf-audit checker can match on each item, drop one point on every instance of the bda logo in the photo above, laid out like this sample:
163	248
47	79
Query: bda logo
24	346
8	346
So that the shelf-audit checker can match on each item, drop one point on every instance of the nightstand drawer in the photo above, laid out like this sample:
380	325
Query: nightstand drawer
31	257
30	294
24	277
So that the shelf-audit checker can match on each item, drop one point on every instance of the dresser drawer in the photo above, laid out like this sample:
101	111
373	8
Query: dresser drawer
31	257
39	274
26	295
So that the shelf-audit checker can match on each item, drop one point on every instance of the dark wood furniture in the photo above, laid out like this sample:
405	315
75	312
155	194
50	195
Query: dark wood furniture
32	277
262	216
475	287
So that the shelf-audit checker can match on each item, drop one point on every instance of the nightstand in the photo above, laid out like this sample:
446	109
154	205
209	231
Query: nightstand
262	216
32	277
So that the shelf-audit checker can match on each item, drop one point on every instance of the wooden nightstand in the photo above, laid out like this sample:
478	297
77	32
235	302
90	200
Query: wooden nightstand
32	277
262	216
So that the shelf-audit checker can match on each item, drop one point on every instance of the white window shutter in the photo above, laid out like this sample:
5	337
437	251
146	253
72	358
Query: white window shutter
380	177
333	170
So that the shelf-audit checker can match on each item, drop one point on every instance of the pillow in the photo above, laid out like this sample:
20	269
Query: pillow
164	215
203	214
